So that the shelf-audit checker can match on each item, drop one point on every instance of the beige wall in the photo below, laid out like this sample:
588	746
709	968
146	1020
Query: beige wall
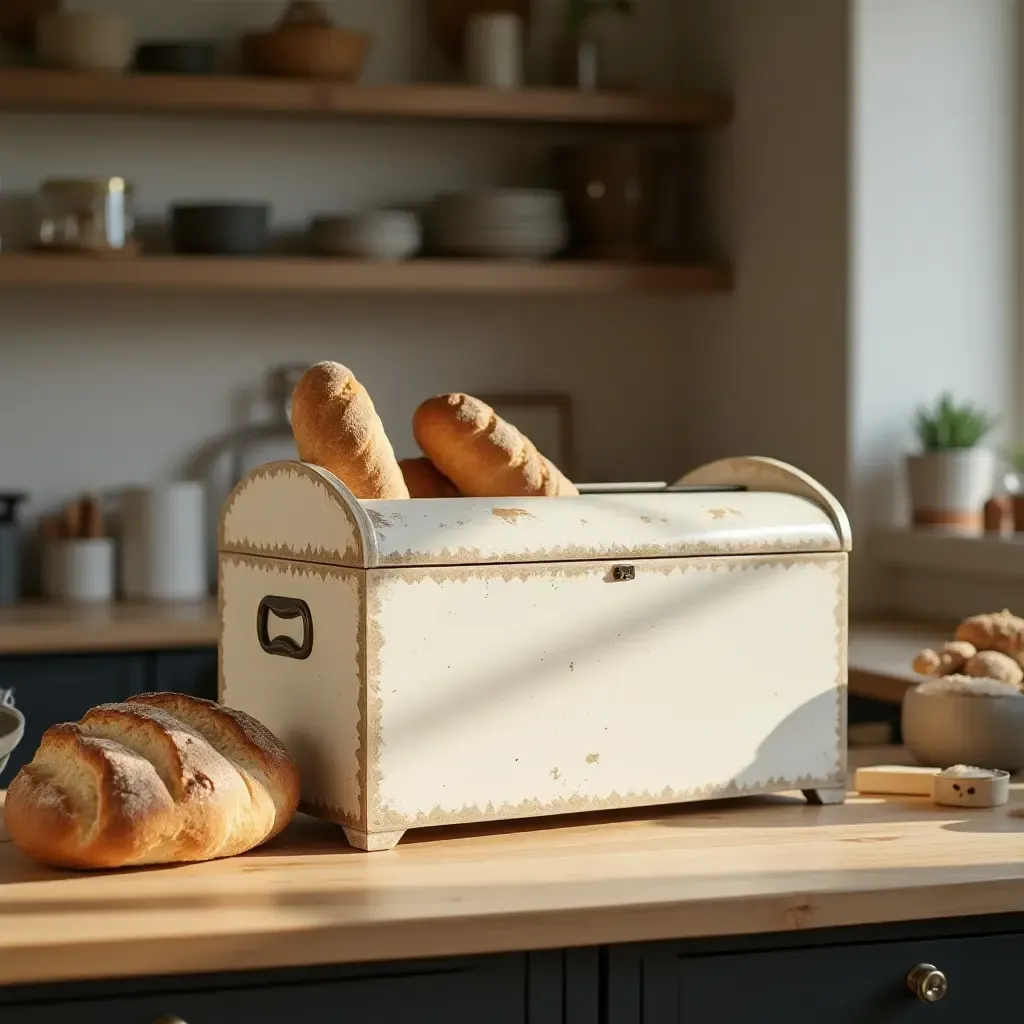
105	389
98	390
934	236
765	372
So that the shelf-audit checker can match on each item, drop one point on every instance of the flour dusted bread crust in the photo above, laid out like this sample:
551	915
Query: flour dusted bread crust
425	480
336	427
160	778
481	454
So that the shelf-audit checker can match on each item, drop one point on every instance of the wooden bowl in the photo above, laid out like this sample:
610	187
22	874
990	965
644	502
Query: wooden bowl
307	51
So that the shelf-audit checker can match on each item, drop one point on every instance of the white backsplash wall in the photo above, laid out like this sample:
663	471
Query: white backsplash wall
104	389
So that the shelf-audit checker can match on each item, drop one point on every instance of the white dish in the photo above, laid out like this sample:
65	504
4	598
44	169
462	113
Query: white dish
374	235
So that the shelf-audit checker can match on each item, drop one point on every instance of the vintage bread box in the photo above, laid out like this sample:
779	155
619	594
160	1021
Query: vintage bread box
459	660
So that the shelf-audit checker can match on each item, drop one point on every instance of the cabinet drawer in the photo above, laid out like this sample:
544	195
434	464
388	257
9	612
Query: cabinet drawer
491	990
843	984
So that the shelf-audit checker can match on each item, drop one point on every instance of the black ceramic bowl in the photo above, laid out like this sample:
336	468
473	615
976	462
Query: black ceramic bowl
176	58
220	229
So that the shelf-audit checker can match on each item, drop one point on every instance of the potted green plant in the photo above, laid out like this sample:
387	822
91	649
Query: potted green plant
953	475
580	52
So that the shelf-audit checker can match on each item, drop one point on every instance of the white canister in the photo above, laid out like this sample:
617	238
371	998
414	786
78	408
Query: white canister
163	543
79	569
494	51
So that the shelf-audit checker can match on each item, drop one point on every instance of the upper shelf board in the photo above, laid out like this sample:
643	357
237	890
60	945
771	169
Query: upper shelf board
69	91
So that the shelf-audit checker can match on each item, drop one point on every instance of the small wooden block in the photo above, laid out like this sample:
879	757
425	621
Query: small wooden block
971	788
895	780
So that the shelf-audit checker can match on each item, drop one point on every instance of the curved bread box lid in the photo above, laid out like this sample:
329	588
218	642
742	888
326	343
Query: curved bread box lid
303	513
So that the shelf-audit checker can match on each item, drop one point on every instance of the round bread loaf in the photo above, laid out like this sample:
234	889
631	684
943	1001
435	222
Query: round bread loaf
336	427
482	454
160	778
424	480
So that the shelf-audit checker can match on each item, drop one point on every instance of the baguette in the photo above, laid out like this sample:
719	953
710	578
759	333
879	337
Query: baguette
481	454
336	427
425	480
160	778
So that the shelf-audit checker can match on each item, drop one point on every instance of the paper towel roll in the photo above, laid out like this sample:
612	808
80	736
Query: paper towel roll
163	543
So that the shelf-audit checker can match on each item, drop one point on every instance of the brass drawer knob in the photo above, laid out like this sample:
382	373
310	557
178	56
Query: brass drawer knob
928	983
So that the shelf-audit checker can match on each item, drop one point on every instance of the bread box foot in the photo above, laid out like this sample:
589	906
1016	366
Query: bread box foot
373	842
820	797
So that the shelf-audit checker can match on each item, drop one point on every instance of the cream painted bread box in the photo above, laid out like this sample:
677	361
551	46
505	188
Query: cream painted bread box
429	662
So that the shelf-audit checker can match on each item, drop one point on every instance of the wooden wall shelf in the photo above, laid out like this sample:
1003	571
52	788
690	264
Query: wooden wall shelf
302	274
62	91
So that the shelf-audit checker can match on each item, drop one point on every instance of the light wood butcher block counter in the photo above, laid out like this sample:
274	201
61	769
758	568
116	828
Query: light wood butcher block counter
44	628
722	869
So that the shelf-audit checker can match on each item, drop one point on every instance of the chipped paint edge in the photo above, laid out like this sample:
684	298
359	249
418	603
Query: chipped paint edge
755	471
468	557
381	818
355	516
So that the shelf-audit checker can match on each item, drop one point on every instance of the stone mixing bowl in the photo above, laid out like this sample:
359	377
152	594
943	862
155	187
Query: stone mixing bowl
12	727
943	729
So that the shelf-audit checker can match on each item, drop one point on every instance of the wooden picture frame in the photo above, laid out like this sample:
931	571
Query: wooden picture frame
546	418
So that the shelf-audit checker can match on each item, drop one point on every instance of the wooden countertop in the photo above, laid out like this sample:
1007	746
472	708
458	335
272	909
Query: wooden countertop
729	868
42	628
881	654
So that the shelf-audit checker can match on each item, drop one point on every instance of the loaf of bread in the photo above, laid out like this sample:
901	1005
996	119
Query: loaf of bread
481	454
161	778
337	428
425	480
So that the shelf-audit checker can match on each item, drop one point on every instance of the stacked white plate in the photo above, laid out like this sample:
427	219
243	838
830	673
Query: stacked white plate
500	224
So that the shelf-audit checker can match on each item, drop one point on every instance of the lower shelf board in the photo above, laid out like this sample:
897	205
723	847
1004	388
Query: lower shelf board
344	276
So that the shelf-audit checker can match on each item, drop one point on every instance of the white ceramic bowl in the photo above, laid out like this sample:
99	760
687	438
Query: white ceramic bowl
538	242
943	729
500	223
500	206
374	235
85	40
12	729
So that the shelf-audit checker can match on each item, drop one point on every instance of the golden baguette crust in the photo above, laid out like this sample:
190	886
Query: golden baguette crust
157	779
336	427
482	454
425	480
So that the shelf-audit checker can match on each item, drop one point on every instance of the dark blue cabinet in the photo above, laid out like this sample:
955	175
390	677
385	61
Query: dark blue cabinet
61	688
513	988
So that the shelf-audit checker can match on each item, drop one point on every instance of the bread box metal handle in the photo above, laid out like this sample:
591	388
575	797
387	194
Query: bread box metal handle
281	645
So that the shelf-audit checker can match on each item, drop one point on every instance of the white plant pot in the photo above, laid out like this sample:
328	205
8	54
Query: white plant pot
951	488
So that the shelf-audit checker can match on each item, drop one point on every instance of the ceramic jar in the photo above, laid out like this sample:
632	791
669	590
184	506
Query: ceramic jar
85	40
614	197
494	51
